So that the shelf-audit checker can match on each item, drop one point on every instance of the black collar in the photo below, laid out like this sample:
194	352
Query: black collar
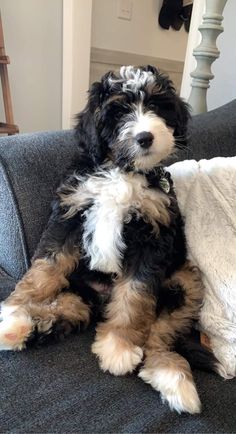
158	177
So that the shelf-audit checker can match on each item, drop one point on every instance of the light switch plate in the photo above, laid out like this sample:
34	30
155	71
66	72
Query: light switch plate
124	9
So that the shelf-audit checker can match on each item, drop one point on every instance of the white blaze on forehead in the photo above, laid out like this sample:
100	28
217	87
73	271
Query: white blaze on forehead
140	121
133	79
163	140
148	121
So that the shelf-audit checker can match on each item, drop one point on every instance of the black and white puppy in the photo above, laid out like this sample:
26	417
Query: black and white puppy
116	234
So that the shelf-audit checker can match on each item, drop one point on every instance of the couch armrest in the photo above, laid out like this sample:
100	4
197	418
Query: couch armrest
213	134
31	166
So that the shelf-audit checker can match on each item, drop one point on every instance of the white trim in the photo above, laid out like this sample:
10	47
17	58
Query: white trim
67	62
103	60
77	20
114	57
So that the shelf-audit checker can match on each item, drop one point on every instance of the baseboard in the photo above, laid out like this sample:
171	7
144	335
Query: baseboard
103	60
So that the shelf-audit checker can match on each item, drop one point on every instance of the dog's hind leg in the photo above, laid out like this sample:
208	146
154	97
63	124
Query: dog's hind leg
28	305
66	313
37	321
34	300
164	369
120	339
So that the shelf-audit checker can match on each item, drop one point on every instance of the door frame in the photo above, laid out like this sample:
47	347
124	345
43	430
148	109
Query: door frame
76	47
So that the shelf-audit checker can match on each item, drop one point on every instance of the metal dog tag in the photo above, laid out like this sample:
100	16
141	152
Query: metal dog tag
165	185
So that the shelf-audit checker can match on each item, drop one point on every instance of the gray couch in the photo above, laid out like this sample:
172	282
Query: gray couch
59	388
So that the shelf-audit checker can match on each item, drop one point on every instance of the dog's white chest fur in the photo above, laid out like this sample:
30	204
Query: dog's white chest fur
114	196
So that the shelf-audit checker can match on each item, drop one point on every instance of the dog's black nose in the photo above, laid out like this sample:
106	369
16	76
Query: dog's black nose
145	139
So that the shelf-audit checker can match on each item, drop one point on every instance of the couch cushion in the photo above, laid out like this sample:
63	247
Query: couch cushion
7	284
213	134
59	388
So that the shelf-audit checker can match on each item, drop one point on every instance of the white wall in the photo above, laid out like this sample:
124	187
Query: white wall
222	87
141	35
33	40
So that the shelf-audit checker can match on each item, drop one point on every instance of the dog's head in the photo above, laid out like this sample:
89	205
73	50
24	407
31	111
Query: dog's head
135	119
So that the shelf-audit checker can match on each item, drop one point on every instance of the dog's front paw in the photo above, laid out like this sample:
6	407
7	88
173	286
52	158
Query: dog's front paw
175	388
116	355
15	328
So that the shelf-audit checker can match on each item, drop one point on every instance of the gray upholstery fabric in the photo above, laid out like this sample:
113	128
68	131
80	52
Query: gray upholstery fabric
7	284
59	388
31	166
212	134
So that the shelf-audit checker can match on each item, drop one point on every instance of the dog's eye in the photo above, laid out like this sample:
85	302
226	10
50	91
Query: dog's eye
152	104
118	109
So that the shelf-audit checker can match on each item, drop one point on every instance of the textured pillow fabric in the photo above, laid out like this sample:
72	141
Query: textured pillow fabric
206	193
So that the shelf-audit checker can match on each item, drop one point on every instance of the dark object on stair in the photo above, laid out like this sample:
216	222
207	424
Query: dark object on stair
183	17
169	10
186	14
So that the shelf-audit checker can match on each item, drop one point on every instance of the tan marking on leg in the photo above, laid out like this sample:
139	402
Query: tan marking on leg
43	280
165	370
66	306
71	307
120	338
30	302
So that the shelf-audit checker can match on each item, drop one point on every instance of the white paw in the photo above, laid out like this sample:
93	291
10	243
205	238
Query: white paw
175	388
116	355
15	327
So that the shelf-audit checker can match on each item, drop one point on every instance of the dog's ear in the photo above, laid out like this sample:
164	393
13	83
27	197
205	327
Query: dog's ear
182	118
87	131
86	127
95	96
173	108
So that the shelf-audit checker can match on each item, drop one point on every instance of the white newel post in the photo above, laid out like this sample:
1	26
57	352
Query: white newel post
205	54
